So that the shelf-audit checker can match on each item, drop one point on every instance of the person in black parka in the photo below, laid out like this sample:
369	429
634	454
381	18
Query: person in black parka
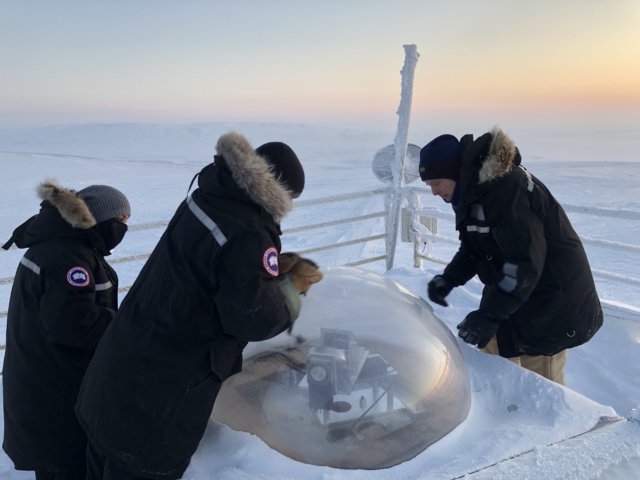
539	297
63	297
211	285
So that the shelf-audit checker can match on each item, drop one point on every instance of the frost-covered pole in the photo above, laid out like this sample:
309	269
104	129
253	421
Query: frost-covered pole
394	198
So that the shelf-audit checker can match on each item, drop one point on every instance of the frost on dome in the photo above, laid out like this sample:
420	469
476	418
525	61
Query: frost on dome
375	379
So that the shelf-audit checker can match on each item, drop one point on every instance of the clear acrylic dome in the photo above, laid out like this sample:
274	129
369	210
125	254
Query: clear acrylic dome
369	378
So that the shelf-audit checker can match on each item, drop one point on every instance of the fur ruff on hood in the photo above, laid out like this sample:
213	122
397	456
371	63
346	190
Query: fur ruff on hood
499	161
72	208
254	175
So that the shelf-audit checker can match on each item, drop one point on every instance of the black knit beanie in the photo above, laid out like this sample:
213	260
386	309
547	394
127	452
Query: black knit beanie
286	166
441	158
105	202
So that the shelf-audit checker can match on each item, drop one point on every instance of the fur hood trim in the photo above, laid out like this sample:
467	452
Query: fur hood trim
254	175
499	161
72	208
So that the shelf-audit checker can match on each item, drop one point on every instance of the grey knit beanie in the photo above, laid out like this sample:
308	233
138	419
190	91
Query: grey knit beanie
105	202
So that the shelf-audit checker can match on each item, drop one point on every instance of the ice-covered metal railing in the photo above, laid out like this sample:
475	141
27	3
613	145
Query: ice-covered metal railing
421	235
342	221
424	234
302	228
301	204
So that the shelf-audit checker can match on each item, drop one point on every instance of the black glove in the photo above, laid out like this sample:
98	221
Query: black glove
478	328
439	288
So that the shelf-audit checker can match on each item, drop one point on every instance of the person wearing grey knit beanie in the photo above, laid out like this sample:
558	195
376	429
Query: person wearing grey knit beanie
63	298
110	209
105	202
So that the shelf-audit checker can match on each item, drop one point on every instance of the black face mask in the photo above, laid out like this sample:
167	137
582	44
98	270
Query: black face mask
112	232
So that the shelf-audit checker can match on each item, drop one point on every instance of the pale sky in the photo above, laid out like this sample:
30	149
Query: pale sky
64	61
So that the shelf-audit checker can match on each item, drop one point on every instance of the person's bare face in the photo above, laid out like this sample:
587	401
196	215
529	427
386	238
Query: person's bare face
443	187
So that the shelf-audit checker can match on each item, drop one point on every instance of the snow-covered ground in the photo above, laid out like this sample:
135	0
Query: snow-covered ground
514	412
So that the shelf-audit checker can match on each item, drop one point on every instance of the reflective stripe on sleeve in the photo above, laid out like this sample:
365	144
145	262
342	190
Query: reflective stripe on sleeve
510	280
530	185
508	284
206	221
30	265
476	228
510	269
103	286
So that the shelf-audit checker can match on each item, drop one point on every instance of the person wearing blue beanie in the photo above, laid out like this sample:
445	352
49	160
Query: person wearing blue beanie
441	158
440	162
539	297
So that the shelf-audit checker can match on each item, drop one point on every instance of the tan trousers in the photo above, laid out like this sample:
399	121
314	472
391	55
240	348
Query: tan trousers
551	367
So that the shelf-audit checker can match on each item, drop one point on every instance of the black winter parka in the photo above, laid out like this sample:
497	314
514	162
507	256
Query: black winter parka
517	238
209	287
63	297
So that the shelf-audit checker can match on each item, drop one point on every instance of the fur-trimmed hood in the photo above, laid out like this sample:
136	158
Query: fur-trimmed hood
72	208
500	159
254	175
63	214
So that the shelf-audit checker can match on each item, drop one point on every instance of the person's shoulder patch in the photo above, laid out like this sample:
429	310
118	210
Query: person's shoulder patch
78	277
270	261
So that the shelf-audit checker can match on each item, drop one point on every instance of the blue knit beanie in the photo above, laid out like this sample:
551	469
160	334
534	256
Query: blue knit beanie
441	158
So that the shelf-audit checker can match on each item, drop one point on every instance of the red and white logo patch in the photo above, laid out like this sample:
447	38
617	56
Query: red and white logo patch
270	261
78	277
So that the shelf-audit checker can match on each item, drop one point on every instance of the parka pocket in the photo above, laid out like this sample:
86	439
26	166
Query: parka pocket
190	421
489	259
479	241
